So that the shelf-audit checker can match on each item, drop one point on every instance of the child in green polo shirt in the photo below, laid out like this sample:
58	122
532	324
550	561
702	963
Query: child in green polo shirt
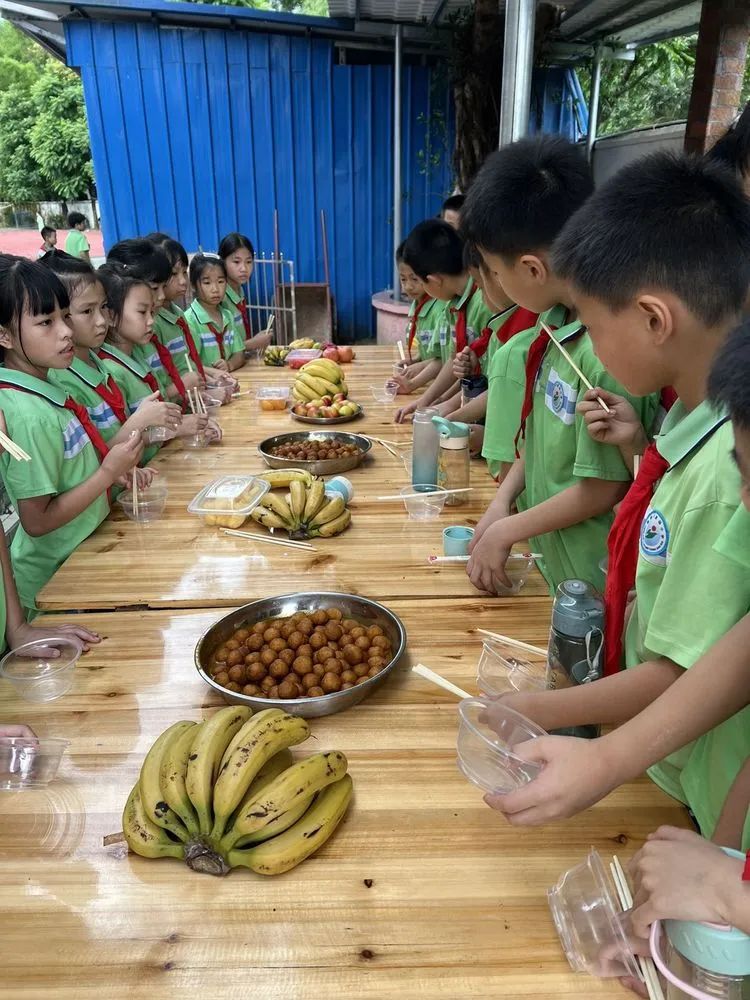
76	243
565	485
61	494
435	253
418	368
212	326
647	261
238	255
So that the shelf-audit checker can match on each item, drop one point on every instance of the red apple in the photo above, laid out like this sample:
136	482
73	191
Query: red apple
300	409
328	411
339	397
346	354
331	353
326	400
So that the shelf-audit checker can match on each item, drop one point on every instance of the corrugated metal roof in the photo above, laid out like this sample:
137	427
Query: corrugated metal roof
403	11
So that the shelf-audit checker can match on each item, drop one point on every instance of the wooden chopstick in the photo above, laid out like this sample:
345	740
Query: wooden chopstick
135	494
14	450
513	642
411	496
401	352
646	965
288	542
422	671
513	555
572	364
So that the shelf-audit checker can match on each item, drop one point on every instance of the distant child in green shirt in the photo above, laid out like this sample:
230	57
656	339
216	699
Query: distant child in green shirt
76	243
659	266
424	313
219	343
238	255
565	485
61	494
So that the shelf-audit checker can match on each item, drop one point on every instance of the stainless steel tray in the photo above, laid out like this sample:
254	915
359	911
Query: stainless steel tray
325	467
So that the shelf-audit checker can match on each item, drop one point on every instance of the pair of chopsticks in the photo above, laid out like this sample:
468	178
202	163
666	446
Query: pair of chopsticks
464	559
646	965
135	494
194	397
14	450
389	446
512	642
287	542
421	496
573	365
429	675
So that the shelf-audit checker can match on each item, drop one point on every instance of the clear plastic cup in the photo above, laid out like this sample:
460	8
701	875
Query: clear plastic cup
35	674
589	922
155	434
29	763
385	393
487	733
406	458
196	441
212	404
151	502
498	674
424	501
517	569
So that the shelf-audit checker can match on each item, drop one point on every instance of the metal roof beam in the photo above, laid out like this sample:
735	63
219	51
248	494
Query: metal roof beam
588	30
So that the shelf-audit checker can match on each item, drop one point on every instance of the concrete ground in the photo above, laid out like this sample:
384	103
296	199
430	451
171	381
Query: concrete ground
26	242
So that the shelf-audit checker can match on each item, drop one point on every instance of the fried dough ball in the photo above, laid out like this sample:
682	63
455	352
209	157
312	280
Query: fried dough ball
305	626
323	654
251	690
232	644
348	677
374	630
233	686
330	683
334	631
237	674
363	679
362	642
252	658
258	628
242	634
288	689
271	633
309	681
357	631
287	628
222	678
334	614
278	670
315	692
352	654
305	650
221	654
295	640
267	683
255	642
273	692
302	665
317	640
376	661
380	642
256	672
373	671
348	624
319	618
345	686
334	666
277	644
361	670
267	657
318	669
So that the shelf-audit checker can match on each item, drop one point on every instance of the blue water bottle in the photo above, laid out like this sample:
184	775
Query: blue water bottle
425	448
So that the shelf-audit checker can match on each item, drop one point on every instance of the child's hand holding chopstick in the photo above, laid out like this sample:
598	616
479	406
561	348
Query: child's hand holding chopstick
620	426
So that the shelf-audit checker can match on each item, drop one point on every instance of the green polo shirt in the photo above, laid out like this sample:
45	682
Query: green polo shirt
76	243
207	344
560	452
169	334
129	375
62	457
230	305
688	594
443	343
506	378
493	344
148	357
80	381
427	320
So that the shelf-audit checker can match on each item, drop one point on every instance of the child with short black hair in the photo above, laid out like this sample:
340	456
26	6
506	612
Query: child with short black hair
49	241
420	327
565	485
450	211
218	341
76	243
238	254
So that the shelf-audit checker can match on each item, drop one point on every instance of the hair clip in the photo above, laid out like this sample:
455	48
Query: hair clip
215	256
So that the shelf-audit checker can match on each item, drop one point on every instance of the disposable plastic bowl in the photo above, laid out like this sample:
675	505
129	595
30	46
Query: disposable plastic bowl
151	502
195	441
212	404
384	393
589	922
517	571
424	501
29	763
498	674
35	674
487	734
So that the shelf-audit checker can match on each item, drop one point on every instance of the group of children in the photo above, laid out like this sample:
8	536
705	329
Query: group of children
643	283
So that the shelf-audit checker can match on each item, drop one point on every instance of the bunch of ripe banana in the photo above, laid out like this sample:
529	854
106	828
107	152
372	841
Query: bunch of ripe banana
275	356
224	794
306	511
320	378
304	344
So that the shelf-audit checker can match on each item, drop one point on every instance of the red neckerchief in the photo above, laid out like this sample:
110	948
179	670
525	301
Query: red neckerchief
148	378
460	314
242	306
411	330
190	344
219	339
111	393
520	319
78	409
166	359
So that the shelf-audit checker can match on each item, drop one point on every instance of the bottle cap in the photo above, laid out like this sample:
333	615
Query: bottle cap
578	609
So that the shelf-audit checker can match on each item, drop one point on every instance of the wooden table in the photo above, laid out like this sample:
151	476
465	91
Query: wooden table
179	562
423	893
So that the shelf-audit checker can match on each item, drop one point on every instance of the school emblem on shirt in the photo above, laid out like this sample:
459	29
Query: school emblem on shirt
654	538
560	397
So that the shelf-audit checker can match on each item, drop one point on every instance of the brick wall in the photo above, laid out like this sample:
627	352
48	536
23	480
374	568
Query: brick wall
719	68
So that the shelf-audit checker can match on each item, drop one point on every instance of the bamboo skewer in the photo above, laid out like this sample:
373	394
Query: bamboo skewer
464	559
646	965
288	542
14	450
513	642
135	494
401	352
563	350
411	496
429	675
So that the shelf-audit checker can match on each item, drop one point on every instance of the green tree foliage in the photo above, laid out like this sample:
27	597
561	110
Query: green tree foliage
60	135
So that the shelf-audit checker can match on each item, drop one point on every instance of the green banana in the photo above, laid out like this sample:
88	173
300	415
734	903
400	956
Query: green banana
316	496
283	478
205	757
282	853
335	506
300	781
298	500
144	837
155	807
334	527
172	778
264	735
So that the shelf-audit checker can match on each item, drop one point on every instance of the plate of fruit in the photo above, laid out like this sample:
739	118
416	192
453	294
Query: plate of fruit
321	395
327	410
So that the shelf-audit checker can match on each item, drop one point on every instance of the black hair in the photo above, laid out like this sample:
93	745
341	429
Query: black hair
235	241
46	231
729	381
174	250
454	203
667	221
202	261
400	252
733	149
73	272
524	194
472	257
76	218
142	259
118	280
433	247
26	284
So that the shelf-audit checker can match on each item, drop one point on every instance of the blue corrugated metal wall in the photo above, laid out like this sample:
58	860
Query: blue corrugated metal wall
200	132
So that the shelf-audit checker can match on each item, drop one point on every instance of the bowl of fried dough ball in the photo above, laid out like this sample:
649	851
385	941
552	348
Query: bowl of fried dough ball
310	654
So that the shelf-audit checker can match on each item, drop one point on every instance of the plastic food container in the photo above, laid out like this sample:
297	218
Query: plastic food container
227	501
29	763
427	504
35	674
295	359
498	674
151	502
487	733
385	393
589	922
272	397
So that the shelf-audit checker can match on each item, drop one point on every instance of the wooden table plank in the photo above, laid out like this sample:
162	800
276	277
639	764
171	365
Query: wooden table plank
179	562
457	904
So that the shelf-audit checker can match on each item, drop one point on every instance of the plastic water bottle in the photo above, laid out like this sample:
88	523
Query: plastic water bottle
453	458
425	447
575	642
